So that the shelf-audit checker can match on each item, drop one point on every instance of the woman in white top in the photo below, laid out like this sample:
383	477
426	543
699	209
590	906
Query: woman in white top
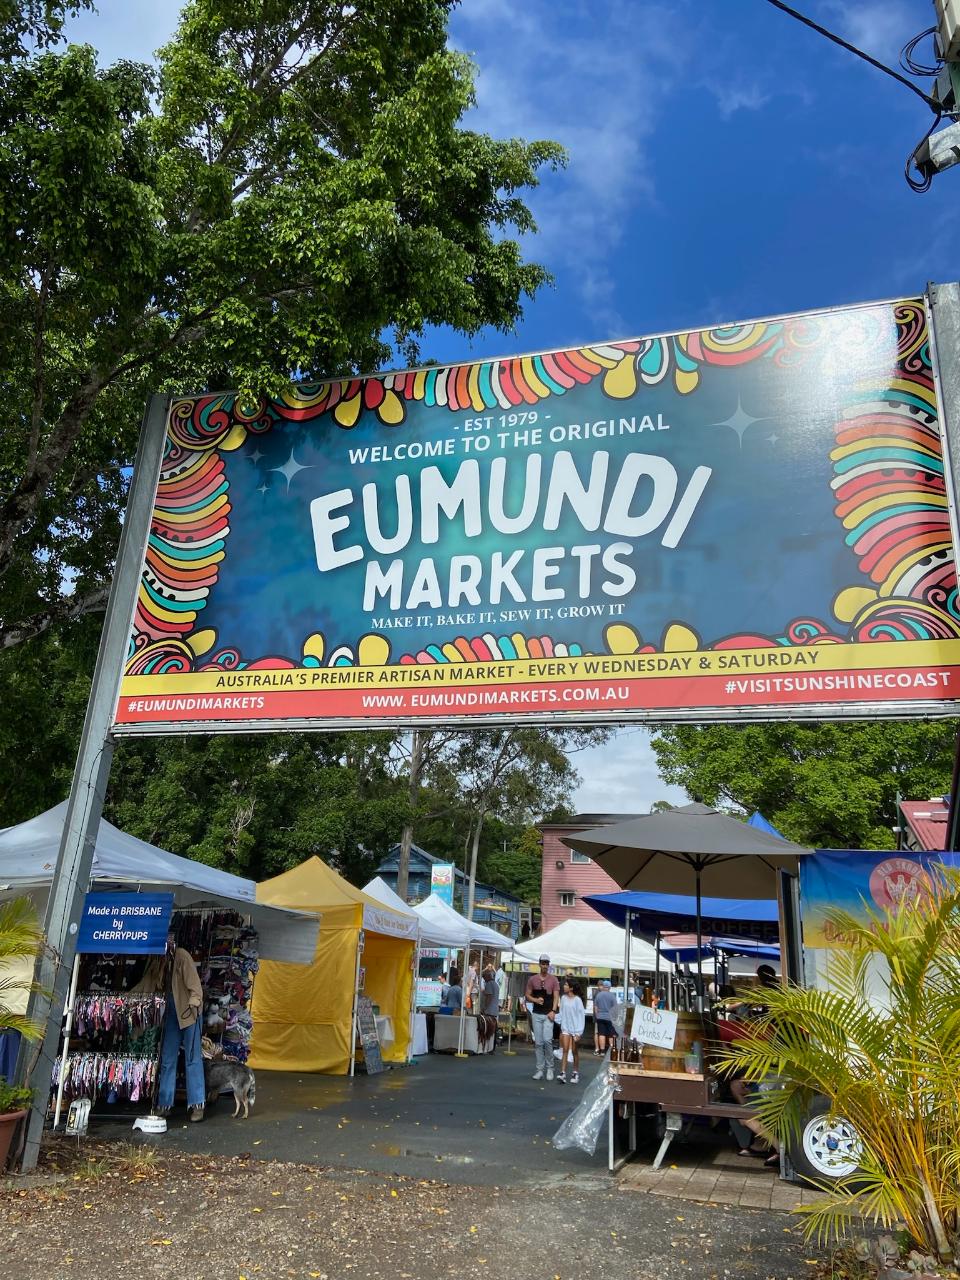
573	1019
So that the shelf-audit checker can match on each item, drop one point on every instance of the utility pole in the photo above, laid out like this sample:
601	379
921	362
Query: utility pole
71	879
944	306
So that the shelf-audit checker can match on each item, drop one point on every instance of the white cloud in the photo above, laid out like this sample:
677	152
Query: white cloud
878	27
599	88
732	98
622	776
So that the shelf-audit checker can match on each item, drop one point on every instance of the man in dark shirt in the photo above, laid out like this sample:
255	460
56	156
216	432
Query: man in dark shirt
543	1000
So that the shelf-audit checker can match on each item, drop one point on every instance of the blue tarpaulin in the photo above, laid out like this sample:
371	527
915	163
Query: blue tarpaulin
651	913
759	821
732	946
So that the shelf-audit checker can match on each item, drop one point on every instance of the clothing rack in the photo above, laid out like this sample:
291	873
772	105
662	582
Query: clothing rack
125	1075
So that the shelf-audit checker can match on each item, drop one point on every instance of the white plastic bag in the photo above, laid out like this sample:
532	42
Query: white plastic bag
582	1126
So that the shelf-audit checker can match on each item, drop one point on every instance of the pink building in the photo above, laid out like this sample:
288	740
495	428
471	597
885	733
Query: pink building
566	876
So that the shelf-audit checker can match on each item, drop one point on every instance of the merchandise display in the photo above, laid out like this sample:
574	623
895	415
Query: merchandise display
115	1033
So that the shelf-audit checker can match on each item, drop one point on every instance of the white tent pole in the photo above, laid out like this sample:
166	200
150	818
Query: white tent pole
463	997
67	1028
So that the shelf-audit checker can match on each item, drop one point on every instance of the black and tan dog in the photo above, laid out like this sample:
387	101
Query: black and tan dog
224	1075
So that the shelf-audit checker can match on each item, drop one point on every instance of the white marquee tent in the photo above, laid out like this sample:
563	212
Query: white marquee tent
441	926
28	859
588	944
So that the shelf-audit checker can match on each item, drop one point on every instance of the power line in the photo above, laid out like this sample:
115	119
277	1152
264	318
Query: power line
859	53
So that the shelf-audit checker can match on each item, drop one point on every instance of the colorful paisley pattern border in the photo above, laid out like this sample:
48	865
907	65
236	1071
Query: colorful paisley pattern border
888	484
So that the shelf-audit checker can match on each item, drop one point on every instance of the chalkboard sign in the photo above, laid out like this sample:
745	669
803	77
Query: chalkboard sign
368	1036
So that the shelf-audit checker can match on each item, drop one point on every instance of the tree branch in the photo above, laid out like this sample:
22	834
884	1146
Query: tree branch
72	607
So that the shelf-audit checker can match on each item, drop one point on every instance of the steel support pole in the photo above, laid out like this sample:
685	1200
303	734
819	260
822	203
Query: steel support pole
71	879
943	303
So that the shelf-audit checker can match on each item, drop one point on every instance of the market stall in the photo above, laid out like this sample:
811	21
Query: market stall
365	951
442	926
112	1030
693	849
378	889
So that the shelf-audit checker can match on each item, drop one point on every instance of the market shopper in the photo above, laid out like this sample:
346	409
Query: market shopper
573	1019
452	999
489	993
182	1029
543	1000
604	1007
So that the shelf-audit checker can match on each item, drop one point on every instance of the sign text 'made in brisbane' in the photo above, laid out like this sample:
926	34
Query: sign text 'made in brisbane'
715	523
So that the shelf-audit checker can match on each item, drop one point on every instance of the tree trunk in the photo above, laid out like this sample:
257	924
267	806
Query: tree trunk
474	851
413	794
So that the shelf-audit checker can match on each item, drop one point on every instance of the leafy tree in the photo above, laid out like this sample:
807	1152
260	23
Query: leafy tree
44	688
828	785
515	773
516	867
257	805
32	23
288	191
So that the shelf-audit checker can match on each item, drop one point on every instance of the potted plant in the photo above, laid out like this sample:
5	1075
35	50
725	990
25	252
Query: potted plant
21	940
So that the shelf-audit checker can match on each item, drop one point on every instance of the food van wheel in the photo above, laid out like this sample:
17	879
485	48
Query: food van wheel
829	1147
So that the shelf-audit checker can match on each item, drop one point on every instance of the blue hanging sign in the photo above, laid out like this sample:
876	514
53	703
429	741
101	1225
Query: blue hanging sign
134	923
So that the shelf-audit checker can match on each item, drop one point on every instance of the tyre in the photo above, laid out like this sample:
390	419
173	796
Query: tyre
829	1147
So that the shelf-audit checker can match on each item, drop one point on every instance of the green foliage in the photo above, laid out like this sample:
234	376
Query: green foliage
889	1065
21	939
44	687
14	1098
827	785
289	191
257	805
517	867
26	23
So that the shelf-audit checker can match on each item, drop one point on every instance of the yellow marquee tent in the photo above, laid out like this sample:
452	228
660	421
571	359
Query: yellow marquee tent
303	1017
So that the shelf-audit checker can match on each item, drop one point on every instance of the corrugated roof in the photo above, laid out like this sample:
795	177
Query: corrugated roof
927	819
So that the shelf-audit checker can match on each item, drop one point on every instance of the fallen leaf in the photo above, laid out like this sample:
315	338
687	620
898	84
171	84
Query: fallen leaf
474	1229
257	1142
394	1194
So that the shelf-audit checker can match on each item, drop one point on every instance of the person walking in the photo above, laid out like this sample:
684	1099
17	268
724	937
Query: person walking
543	1000
490	1001
604	1007
573	1019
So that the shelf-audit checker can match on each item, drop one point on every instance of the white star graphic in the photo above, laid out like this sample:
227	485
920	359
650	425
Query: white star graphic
290	469
739	421
774	438
255	456
264	488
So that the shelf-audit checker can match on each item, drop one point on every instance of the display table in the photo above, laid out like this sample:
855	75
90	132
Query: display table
446	1034
385	1029
418	1036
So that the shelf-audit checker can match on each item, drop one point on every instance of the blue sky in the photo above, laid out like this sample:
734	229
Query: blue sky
725	163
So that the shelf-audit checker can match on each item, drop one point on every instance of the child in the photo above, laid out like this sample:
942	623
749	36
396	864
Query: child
572	1022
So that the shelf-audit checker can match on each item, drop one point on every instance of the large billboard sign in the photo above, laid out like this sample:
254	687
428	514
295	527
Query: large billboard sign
749	521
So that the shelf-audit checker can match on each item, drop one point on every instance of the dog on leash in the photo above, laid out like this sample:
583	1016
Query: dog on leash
224	1075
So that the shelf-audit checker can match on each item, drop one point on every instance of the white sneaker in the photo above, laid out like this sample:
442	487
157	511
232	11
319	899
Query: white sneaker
575	1078
561	1077
538	1075
549	1073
